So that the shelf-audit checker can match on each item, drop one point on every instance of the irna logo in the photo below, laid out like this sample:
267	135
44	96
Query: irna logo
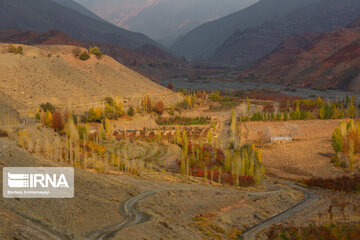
36	180
42	182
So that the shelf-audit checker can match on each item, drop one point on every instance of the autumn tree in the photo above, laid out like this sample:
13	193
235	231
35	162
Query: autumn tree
48	118
109	111
57	122
233	125
170	86
159	107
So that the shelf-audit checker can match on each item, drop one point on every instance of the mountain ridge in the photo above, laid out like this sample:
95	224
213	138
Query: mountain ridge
44	15
316	60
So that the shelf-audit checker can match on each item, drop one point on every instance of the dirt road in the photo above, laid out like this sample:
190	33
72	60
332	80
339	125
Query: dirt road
310	198
133	217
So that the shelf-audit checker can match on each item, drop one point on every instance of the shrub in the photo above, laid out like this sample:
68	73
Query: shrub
3	133
47	107
341	184
131	111
99	166
159	107
84	56
95	115
110	101
16	50
171	86
96	51
76	51
89	163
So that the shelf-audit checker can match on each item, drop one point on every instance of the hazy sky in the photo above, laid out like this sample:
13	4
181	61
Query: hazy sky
163	20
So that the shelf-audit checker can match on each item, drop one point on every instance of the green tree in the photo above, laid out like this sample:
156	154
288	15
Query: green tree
233	127
337	140
109	111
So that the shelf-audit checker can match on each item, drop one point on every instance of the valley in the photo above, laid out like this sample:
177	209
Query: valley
180	119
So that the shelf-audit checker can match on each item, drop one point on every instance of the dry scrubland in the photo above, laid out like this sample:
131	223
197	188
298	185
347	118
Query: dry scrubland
307	156
52	73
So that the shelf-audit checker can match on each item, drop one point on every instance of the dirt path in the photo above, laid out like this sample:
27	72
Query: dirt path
310	199
133	217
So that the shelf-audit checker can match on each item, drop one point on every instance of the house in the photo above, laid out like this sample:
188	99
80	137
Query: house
281	139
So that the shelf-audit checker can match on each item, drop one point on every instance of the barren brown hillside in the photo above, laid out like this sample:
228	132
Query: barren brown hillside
52	73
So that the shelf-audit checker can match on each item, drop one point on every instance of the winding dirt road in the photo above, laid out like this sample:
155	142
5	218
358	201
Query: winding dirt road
310	198
132	217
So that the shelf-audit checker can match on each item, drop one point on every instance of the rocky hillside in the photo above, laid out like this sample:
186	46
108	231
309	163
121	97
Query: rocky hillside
246	47
327	60
8	115
45	15
52	73
147	60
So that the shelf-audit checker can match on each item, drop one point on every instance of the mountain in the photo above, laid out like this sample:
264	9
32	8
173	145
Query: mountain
147	60
202	42
327	60
51	73
79	8
163	20
246	47
246	36
44	15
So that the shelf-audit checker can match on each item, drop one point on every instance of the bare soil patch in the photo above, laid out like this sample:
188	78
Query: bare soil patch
308	155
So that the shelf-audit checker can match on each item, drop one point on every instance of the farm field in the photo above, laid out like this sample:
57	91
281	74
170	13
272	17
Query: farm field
307	156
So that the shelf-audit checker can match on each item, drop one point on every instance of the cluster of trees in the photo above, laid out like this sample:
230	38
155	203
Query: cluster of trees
325	110
278	116
85	55
346	144
148	106
75	144
112	110
16	50
338	110
240	165
50	116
